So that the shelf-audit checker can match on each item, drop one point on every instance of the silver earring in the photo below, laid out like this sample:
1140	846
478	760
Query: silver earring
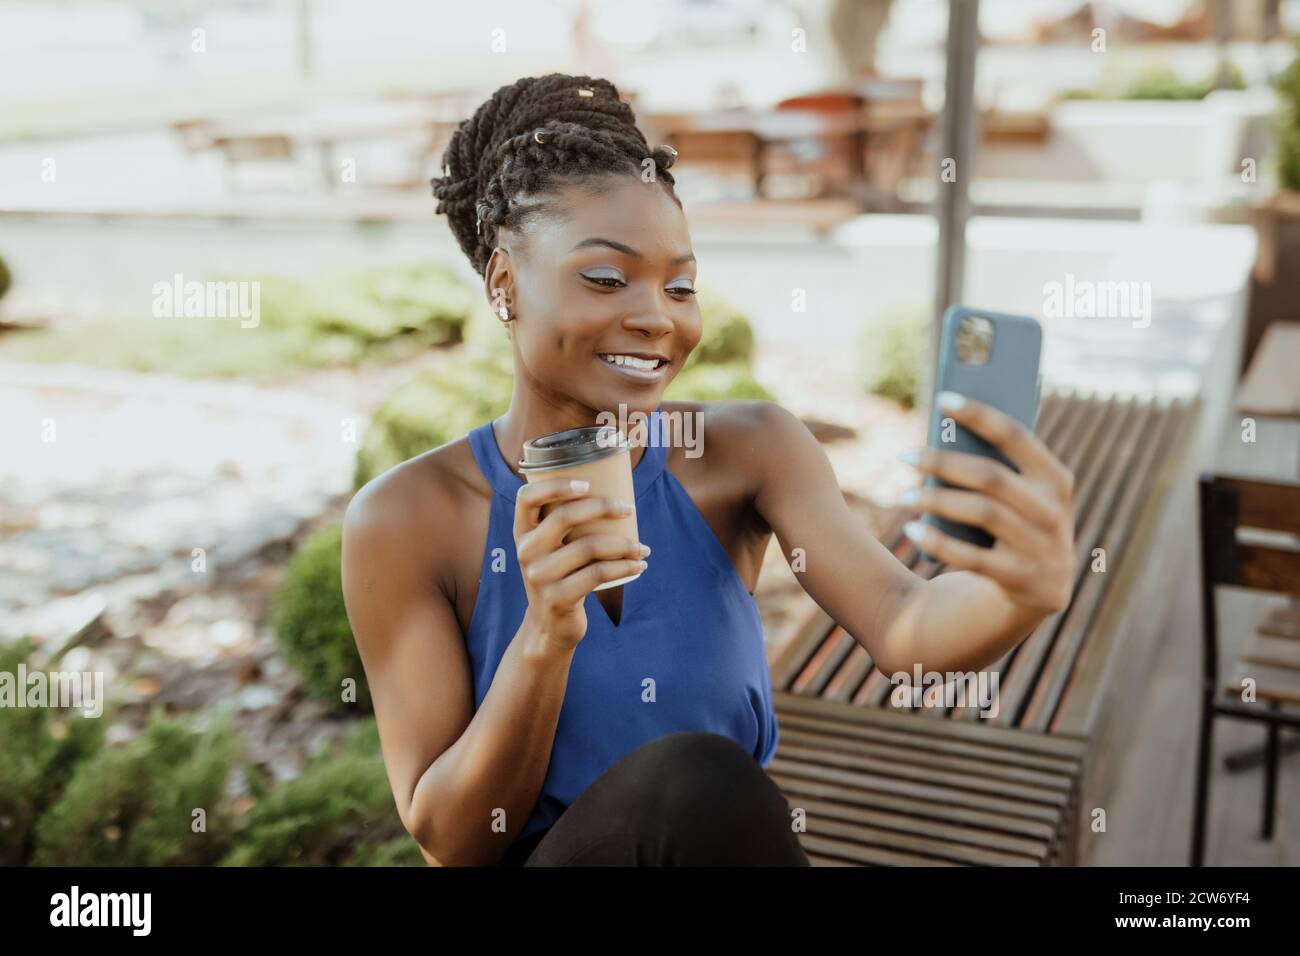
504	313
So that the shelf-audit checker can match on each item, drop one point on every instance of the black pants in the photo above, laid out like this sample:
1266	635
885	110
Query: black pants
685	799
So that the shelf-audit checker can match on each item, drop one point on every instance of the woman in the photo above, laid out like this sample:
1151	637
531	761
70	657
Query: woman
526	718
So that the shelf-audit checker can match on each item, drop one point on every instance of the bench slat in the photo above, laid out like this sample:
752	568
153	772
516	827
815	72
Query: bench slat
910	756
919	846
1049	693
1022	664
865	856
932	746
797	790
1061	745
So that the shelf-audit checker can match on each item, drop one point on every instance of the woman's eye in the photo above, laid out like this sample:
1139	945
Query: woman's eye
683	289
609	282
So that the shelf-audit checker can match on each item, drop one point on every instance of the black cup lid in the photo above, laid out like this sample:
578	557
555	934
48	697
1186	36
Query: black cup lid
573	446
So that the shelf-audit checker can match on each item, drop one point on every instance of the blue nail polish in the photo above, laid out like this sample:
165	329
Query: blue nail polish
949	401
915	531
909	496
910	457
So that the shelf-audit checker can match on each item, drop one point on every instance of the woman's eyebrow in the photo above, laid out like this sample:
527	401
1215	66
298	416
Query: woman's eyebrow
625	249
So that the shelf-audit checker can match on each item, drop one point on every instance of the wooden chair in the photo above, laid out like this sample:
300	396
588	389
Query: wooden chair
1271	659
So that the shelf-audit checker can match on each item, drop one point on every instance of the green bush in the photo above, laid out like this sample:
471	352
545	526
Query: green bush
434	407
40	747
6	278
726	334
371	315
1288	88
133	805
711	383
1131	80
338	812
311	623
424	304
892	350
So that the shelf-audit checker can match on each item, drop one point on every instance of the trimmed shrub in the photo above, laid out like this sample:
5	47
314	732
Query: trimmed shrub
435	407
133	805
1288	132
6	278
40	747
427	304
711	383
893	348
1131	80
311	626
338	812
726	333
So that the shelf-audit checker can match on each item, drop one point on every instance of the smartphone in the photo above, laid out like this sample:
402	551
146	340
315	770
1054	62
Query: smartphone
993	358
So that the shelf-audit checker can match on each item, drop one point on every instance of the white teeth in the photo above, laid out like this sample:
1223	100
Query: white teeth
631	361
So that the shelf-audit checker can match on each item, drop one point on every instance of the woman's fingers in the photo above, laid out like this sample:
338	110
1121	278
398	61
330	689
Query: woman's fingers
549	534
1033	458
576	554
1007	568
972	508
993	479
534	495
574	588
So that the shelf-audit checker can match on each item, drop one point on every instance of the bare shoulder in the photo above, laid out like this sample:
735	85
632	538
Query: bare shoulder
413	512
739	431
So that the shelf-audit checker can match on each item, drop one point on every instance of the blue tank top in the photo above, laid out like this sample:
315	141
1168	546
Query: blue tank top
687	653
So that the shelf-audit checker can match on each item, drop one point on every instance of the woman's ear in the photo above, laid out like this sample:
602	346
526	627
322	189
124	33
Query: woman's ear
499	283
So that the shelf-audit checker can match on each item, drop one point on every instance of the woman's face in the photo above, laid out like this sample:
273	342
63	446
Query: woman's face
610	282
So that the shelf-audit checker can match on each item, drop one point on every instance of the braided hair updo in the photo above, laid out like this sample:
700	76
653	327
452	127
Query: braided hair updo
527	138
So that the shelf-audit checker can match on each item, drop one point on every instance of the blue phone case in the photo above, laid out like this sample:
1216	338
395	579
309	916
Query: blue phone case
1009	381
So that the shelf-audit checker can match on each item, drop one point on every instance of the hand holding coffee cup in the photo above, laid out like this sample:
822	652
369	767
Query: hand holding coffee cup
575	526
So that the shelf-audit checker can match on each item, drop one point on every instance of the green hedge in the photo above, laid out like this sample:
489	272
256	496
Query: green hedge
338	812
1130	80
434	407
68	798
311	623
368	315
426	303
892	349
133	805
710	383
6	277
40	747
726	334
1288	133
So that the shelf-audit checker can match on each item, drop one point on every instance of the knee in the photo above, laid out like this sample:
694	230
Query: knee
703	774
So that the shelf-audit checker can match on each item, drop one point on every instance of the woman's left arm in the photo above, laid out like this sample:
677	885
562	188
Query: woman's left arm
986	601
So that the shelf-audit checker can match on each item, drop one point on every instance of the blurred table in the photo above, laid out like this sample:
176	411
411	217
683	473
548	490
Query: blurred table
743	137
1271	388
322	130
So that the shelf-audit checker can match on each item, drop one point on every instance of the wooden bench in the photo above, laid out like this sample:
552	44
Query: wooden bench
1072	680
887	789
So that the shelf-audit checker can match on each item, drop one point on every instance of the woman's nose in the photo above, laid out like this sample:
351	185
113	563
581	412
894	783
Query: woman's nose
651	319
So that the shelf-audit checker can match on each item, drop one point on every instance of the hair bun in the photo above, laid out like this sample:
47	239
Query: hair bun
665	155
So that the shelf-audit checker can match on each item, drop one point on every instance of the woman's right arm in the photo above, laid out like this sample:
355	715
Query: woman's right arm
464	781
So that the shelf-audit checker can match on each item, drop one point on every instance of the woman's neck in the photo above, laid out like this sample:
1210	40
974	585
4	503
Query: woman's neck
515	427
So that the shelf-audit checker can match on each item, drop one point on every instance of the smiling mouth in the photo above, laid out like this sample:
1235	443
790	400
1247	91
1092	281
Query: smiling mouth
643	369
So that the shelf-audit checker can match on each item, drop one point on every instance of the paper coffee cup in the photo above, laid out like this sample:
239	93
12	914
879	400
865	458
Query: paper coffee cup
599	454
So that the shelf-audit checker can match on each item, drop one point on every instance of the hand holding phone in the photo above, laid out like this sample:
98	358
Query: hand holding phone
993	358
996	501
